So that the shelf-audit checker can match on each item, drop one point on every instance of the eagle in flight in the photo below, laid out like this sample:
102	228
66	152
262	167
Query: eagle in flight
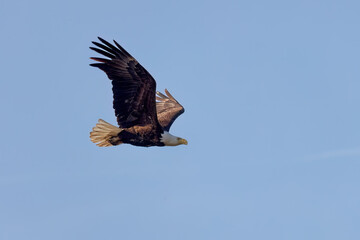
144	116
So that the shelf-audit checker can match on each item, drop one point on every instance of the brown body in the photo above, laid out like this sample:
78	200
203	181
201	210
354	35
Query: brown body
143	136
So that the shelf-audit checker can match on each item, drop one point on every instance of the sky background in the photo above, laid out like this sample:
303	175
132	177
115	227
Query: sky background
271	92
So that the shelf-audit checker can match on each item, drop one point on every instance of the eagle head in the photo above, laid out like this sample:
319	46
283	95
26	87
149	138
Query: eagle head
171	140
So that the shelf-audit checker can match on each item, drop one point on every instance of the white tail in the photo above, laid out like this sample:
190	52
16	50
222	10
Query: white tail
104	134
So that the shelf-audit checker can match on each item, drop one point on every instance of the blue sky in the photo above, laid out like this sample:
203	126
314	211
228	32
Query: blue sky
271	91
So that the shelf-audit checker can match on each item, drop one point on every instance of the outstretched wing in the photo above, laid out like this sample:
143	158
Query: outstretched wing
168	109
133	87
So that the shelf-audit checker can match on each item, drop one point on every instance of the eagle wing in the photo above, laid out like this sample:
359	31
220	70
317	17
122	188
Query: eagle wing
168	109
133	87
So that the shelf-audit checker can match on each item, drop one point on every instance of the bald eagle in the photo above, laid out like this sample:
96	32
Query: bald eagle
144	116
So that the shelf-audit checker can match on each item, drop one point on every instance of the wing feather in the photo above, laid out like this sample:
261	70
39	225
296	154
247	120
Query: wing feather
168	109
106	54
133	87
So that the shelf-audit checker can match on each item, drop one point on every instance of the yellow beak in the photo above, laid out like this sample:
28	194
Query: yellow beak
183	141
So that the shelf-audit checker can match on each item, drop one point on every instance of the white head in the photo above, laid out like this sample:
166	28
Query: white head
171	140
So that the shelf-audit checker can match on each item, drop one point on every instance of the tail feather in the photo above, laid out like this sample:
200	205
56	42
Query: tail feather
104	134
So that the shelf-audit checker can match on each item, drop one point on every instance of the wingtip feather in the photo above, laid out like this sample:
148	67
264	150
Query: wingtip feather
169	95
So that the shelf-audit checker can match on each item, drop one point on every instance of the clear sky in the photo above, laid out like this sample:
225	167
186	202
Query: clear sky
271	92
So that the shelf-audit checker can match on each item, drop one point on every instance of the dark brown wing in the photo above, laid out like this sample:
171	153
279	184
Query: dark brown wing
133	87
168	109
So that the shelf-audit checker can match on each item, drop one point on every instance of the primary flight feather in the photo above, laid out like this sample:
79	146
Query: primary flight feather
142	120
